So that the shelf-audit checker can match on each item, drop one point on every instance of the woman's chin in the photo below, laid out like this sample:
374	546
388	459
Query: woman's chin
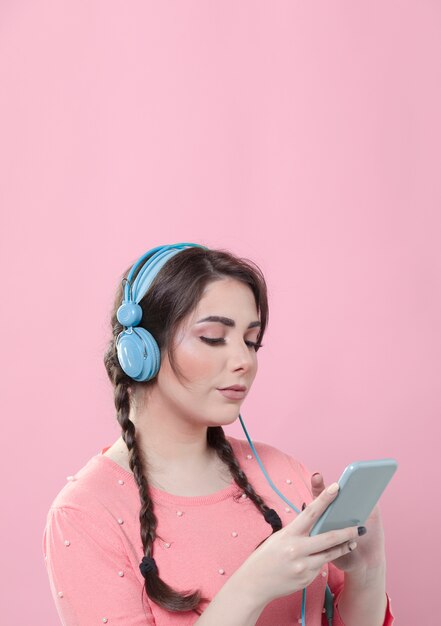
229	419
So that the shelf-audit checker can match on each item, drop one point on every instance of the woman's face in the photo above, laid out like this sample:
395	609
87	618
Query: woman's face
209	366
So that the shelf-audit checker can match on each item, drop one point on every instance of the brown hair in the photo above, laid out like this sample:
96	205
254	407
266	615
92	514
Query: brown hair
174	293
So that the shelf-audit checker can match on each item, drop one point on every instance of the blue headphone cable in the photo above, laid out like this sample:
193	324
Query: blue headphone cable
329	598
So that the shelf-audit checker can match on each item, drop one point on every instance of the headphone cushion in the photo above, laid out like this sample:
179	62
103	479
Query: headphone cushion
139	354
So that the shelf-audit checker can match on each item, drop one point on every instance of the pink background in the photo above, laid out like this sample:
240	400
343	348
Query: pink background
305	136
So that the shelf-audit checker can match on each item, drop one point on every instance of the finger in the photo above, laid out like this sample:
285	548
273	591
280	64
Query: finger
325	541
317	561
307	518
317	484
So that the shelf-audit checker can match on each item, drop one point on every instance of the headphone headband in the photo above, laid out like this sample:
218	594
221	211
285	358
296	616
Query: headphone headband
156	259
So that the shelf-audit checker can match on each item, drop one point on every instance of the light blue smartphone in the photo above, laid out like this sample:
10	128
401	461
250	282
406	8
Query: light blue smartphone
361	486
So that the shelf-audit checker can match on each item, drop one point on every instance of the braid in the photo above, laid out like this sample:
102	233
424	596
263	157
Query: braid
137	466
217	440
156	588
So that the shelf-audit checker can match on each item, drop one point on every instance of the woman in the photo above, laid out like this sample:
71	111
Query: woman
169	525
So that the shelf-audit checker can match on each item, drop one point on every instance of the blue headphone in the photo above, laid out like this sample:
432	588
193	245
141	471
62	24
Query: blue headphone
139	354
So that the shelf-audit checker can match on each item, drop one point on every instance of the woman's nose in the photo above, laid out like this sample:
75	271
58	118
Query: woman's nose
242	356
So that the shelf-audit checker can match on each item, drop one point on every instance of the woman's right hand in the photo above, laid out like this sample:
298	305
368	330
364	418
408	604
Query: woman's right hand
289	560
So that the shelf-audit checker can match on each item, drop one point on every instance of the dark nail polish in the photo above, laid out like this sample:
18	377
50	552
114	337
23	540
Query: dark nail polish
303	506
362	530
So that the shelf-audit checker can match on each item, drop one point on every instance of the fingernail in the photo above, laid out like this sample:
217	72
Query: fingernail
332	488
316	474
352	545
362	530
303	506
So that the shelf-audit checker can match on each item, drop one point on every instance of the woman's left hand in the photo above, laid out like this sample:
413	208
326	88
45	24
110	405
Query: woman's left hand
369	553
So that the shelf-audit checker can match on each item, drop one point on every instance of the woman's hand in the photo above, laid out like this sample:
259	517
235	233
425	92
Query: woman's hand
289	560
370	552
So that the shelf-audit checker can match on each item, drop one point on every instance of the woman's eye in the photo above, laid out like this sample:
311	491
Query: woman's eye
221	340
212	341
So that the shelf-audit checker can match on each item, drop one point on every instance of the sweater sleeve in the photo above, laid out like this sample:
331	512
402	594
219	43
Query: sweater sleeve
91	578
335	576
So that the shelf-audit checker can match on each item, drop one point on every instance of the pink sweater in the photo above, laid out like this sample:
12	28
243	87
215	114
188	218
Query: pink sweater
92	543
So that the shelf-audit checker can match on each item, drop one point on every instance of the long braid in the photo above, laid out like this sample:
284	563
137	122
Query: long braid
156	588
137	466
217	440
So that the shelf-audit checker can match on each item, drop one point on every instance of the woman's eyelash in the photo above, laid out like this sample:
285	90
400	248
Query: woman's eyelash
221	340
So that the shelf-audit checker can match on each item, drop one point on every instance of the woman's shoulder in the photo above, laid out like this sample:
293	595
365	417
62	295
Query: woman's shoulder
266	464
267	453
92	485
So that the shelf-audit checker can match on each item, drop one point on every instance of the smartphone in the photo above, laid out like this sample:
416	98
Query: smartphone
361	486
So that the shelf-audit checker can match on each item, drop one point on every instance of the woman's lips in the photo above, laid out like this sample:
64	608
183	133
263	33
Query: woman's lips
232	394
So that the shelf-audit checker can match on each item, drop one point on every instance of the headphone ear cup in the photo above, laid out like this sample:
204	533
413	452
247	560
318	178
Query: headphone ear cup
138	354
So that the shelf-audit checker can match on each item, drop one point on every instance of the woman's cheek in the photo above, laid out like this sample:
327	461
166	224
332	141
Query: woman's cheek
194	361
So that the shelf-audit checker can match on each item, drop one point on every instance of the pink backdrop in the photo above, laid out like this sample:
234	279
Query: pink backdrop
305	136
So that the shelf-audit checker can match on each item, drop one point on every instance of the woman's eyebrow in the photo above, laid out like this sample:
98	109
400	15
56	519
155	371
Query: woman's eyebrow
226	320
